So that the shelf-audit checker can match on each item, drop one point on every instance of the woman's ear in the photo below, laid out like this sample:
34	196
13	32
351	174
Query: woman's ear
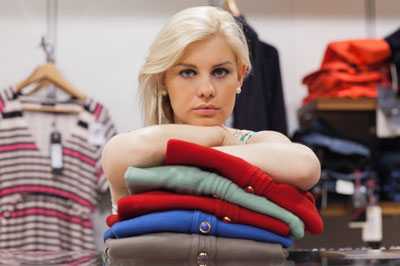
242	73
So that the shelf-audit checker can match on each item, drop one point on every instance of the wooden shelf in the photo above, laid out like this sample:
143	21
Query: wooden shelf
338	104
351	118
337	209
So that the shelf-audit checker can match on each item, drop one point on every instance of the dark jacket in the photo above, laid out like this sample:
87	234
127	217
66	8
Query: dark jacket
261	105
394	42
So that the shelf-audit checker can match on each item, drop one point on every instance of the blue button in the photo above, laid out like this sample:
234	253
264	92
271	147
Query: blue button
205	227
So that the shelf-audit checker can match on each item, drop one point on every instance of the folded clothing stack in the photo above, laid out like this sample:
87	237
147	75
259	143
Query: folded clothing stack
346	164
350	69
202	191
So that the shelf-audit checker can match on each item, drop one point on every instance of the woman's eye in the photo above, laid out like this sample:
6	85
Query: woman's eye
220	72
187	73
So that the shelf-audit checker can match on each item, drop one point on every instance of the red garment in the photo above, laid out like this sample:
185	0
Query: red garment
154	201
112	219
353	92
348	68
357	52
331	76
247	176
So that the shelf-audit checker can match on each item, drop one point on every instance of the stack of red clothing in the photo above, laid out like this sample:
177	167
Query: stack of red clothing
245	175
350	69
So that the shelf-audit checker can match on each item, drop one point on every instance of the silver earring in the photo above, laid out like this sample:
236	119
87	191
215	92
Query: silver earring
238	90
164	93
159	107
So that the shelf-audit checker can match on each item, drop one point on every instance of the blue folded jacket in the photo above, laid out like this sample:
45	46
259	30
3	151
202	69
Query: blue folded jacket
191	222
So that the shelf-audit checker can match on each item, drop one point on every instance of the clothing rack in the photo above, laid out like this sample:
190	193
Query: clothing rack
49	42
370	15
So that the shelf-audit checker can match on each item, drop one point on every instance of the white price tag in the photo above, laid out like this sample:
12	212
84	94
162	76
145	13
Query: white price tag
344	187
372	231
56	153
97	134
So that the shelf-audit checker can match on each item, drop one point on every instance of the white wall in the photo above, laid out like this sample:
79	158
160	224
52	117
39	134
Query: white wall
102	43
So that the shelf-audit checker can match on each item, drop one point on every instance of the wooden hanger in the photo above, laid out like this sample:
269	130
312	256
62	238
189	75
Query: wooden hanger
45	75
231	6
49	72
59	108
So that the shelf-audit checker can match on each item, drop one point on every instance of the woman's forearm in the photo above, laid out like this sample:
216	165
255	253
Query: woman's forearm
147	146
289	163
285	161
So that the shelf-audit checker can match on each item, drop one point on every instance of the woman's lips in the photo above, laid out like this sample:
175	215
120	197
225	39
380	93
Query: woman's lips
205	111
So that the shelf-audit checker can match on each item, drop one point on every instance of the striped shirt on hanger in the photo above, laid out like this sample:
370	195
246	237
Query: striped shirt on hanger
40	210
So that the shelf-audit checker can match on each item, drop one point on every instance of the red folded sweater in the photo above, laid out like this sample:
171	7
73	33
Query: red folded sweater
249	177
154	201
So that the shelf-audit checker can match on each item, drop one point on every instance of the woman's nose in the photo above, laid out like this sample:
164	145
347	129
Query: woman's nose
206	88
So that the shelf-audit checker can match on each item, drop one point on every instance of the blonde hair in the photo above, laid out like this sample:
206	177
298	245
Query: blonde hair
185	27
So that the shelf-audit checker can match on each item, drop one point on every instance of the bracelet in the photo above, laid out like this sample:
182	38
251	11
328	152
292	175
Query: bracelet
243	135
246	137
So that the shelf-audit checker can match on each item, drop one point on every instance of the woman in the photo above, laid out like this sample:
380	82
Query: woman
193	71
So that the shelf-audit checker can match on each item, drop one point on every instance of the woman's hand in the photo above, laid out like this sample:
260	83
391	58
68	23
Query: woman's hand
231	137
275	154
146	147
234	136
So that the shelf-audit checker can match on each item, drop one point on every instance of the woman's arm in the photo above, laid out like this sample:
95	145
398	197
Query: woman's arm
274	153
146	147
285	161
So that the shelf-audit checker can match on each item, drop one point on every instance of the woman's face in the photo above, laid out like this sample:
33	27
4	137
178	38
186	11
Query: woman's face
202	84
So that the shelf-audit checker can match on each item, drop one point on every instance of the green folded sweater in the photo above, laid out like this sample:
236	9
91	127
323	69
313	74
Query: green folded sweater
193	180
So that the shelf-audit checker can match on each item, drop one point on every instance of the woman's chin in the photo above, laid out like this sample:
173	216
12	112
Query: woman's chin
206	121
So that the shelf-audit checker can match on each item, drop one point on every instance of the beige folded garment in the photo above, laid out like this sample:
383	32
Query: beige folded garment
186	249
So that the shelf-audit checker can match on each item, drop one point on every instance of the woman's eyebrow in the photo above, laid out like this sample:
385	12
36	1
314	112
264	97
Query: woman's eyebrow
193	66
185	65
224	63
